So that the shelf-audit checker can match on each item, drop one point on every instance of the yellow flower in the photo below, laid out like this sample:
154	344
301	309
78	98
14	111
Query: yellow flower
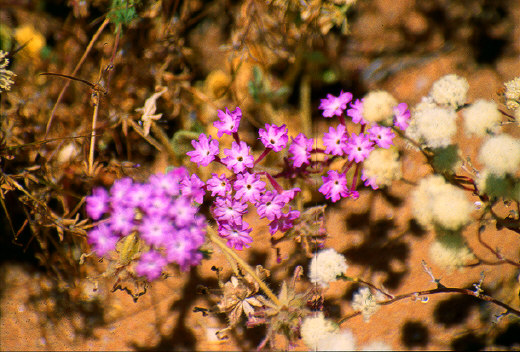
34	39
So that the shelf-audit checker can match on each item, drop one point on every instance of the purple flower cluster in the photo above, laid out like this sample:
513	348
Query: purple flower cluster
164	214
245	186
232	194
355	147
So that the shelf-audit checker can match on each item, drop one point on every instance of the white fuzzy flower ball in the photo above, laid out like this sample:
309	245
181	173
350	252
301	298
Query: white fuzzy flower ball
326	266
365	302
482	116
449	254
436	126
378	106
512	93
383	165
340	341
436	202
451	209
450	91
501	154
314	328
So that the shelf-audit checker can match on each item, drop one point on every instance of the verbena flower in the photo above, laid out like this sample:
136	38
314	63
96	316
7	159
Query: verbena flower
334	186
229	121
150	265
156	229
270	205
160	213
238	158
182	212
102	239
193	187
218	185
122	220
401	116
229	209
284	222
335	105
119	191
300	149
382	136
248	187
274	137
358	147
335	140
169	183
356	112
205	150
97	203
237	235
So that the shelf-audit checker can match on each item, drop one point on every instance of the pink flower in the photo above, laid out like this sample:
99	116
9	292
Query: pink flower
228	122
358	147
97	203
193	187
335	105
274	137
102	239
401	116
334	186
155	230
356	112
218	185
270	205
229	210
180	249
237	235
300	149
205	150
335	140
284	222
248	187
238	158
382	136
150	265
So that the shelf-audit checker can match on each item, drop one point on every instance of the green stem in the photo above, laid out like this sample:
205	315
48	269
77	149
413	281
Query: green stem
212	235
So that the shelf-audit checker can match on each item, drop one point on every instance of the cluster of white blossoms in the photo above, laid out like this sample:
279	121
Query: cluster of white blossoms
501	154
435	202
326	266
450	252
512	94
321	334
365	302
450	91
383	165
482	117
434	119
378	106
